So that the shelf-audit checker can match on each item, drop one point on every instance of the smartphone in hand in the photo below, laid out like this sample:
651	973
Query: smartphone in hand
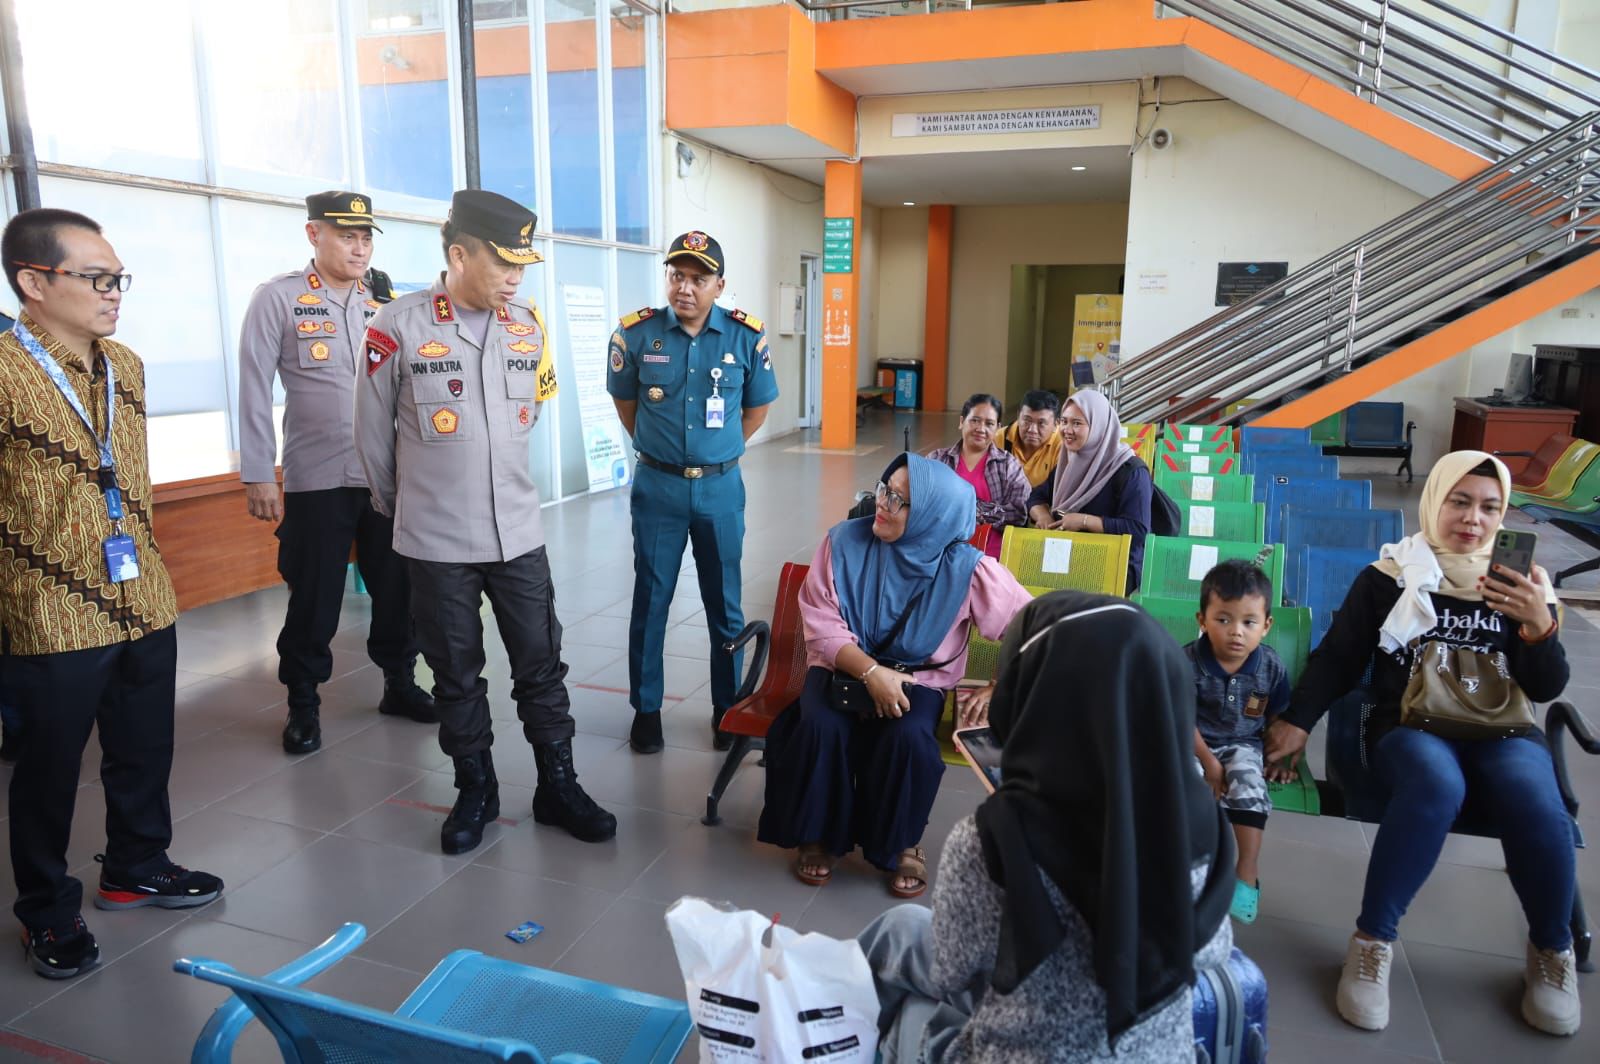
1513	548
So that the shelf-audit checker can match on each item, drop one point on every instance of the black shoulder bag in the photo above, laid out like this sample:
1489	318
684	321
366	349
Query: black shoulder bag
849	695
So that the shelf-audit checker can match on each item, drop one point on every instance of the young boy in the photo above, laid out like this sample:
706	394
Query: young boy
1238	684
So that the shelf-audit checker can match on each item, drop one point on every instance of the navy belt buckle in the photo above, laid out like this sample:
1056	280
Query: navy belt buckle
693	472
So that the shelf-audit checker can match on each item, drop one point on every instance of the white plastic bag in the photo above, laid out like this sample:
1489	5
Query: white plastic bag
776	997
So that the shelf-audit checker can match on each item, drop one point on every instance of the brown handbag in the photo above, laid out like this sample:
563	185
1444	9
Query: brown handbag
1457	692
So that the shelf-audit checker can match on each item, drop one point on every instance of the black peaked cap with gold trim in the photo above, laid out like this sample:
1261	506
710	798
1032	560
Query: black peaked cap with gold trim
504	224
348	209
702	247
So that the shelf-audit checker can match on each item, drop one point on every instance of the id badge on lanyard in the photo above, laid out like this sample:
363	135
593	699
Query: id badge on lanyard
121	553
715	409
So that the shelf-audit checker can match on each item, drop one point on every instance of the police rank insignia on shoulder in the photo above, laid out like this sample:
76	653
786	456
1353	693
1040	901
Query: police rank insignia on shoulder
630	320
744	318
443	312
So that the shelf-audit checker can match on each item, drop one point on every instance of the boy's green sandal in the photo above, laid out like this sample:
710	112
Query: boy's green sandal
1245	900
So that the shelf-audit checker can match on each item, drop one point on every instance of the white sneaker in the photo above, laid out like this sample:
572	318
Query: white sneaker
1363	997
1550	998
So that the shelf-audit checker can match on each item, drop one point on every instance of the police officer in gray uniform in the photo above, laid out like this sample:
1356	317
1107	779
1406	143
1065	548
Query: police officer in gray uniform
305	328
453	384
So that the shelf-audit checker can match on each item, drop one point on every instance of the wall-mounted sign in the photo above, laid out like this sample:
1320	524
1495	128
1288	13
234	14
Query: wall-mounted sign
1008	120
838	245
1238	281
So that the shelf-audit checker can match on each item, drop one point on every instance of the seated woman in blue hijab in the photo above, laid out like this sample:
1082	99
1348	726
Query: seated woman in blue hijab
889	601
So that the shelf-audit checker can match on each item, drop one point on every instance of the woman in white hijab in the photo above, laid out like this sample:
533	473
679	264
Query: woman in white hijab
1099	484
1436	586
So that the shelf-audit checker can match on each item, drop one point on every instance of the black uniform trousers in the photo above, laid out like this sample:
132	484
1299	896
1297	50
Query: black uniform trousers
127	689
447	603
314	541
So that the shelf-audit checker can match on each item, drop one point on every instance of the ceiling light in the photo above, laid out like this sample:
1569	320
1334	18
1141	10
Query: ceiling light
1080	168
907	203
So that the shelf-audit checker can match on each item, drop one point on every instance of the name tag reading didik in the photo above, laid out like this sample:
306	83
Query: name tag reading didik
715	416
122	558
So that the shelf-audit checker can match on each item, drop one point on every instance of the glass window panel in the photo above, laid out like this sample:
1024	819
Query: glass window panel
574	95
630	123
577	266
172	315
640	281
279	118
506	149
403	82
112	85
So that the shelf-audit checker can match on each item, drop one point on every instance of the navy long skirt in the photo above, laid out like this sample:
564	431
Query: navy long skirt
842	781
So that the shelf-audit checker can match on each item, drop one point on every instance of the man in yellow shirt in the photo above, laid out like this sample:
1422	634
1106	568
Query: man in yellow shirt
1034	437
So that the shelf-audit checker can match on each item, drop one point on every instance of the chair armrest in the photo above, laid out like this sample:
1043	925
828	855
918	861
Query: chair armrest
1410	427
233	1016
1512	454
572	1058
1560	720
761	632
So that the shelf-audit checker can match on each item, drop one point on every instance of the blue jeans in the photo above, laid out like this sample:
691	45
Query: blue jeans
1513	781
917	1020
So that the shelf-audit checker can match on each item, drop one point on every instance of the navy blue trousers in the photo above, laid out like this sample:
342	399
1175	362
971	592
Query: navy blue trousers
844	781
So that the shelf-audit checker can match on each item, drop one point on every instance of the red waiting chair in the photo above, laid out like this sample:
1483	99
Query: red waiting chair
753	711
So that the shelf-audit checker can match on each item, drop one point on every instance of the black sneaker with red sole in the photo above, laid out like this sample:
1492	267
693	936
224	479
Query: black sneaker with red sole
173	887
61	953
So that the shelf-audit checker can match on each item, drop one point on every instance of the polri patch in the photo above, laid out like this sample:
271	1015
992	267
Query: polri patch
445	421
308	299
433	349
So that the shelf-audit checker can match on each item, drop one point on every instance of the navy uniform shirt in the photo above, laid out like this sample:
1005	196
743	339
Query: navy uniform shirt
669	373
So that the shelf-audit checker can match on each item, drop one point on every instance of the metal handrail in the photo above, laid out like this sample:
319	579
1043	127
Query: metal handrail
1402	56
1368	296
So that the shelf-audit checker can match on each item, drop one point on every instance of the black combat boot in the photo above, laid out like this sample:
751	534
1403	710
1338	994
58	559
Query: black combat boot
560	801
403	698
303	733
477	803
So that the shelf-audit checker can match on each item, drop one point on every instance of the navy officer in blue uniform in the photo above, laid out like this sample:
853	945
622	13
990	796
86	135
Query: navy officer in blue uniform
692	382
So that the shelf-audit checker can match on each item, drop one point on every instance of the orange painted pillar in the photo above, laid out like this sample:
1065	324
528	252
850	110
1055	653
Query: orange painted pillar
936	310
841	292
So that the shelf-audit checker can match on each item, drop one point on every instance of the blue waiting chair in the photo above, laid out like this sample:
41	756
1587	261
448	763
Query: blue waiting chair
1378	430
1323	576
1312	493
471	1008
1251	437
1323	527
1265	463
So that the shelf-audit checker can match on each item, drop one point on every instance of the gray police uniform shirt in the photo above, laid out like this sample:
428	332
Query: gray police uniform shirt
442	427
308	334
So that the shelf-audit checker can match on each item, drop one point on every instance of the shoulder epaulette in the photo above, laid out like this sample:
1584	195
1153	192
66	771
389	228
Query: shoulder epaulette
745	318
630	320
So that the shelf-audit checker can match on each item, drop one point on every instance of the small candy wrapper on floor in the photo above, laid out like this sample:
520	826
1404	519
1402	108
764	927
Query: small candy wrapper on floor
523	932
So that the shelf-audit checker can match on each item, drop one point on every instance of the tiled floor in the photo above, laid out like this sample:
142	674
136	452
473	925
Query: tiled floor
351	833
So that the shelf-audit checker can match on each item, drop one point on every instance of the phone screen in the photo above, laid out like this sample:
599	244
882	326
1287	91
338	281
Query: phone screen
982	751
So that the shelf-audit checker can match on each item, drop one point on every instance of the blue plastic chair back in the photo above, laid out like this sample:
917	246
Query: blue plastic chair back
1264	463
1375	425
1313	494
316	1028
1322	577
1369	529
1251	437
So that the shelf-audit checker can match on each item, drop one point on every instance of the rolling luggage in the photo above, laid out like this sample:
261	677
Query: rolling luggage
1230	1013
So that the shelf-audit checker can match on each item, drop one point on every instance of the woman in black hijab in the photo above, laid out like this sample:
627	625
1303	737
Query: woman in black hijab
1069	914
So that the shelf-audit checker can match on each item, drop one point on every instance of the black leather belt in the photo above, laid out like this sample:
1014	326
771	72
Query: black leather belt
694	472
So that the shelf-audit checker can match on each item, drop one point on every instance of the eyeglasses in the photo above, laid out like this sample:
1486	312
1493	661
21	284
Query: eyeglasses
892	500
102	282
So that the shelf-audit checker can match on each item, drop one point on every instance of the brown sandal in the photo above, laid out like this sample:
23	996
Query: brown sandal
814	856
913	864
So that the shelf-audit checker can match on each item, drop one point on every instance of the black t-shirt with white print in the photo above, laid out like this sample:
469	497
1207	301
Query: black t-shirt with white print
1337	664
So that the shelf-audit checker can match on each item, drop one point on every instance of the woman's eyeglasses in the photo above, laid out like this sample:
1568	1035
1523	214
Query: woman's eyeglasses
892	500
102	282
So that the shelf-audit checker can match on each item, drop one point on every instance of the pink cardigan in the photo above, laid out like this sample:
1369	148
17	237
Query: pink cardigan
993	599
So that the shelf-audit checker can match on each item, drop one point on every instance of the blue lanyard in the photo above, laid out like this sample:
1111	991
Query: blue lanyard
52	369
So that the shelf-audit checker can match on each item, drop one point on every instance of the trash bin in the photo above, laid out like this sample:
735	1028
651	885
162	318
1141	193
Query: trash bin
904	375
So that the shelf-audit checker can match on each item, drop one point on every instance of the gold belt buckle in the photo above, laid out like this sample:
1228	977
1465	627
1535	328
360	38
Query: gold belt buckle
693	472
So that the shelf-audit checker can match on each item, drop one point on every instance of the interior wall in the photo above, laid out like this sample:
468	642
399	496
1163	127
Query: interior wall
764	220
900	286
985	244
